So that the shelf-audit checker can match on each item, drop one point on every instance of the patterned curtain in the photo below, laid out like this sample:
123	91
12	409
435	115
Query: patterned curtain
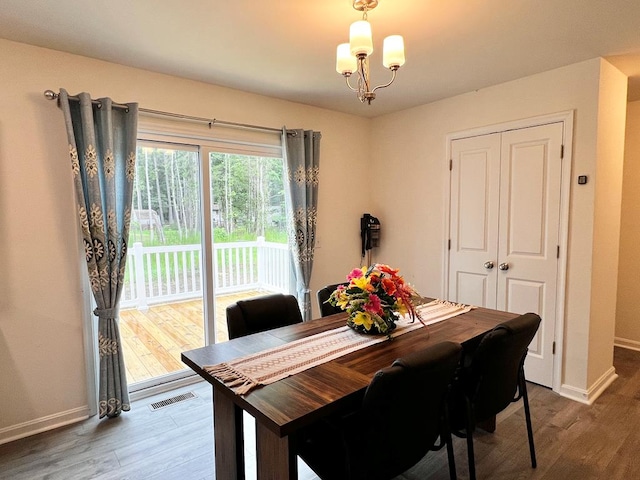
102	146
302	160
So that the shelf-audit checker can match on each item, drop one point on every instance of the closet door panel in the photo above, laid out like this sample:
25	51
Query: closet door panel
527	296
475	179
525	200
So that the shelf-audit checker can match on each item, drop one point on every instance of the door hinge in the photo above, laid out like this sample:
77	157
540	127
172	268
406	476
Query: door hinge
450	164
561	152
449	245
553	349
558	252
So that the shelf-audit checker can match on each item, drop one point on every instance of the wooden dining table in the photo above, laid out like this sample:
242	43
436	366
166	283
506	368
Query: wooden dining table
282	408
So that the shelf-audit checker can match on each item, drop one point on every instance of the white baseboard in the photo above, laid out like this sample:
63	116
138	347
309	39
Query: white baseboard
157	389
43	424
39	425
626	343
590	395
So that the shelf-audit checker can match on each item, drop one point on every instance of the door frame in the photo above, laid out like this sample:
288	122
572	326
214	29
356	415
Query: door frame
566	118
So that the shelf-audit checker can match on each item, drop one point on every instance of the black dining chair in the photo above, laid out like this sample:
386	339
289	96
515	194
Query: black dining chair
257	314
402	416
490	378
253	315
323	294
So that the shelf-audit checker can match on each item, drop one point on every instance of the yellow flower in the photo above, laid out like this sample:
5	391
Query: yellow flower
401	308
362	283
343	300
364	319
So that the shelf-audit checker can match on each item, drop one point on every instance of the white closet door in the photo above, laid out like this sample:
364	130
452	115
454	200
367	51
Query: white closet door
529	235
475	188
504	229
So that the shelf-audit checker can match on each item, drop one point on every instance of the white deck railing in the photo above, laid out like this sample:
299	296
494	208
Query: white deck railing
172	273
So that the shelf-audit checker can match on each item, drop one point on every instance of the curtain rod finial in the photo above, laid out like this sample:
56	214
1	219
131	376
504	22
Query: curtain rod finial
50	95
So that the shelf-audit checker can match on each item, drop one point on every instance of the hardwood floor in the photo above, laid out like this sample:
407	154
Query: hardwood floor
154	339
573	441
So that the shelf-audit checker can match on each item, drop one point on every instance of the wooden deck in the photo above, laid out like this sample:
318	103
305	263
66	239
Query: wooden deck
154	339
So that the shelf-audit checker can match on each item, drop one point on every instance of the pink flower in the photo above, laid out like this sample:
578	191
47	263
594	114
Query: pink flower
355	273
373	305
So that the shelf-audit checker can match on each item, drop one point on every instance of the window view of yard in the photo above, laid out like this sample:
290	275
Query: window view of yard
162	305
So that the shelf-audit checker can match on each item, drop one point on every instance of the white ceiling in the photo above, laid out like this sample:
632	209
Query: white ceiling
286	48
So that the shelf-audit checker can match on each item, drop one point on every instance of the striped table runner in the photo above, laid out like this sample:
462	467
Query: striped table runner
262	368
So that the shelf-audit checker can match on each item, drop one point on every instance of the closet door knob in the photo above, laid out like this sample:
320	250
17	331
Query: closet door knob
488	265
503	266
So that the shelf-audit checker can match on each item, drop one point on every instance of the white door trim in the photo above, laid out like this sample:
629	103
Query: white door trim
566	118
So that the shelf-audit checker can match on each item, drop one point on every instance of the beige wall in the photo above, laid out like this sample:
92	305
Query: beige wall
409	150
627	331
399	176
42	374
612	110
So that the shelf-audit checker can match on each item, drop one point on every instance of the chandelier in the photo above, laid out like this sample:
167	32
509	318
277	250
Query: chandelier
353	57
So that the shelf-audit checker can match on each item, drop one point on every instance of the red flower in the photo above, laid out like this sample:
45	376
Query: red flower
387	269
389	286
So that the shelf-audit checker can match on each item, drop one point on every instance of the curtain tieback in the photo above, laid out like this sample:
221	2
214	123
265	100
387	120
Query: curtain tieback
106	313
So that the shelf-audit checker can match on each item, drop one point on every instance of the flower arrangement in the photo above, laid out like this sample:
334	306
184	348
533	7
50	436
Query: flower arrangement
374	298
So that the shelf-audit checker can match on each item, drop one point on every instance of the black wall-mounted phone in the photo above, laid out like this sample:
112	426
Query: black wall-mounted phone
370	232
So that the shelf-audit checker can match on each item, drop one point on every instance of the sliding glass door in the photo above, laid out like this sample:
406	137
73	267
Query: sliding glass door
207	228
161	311
250	252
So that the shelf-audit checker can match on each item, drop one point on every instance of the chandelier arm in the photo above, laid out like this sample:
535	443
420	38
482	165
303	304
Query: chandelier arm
347	77
393	77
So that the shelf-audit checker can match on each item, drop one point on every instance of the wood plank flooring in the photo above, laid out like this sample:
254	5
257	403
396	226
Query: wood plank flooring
153	339
573	441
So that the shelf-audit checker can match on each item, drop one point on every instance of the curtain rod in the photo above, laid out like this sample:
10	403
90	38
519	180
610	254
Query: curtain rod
51	95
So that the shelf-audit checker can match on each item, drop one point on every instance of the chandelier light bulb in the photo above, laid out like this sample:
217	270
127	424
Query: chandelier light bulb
393	51
360	38
346	63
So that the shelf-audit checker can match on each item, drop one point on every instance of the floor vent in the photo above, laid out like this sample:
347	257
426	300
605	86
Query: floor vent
172	401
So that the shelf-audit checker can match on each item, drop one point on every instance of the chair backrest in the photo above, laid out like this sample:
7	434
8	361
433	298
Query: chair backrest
327	309
402	410
258	314
491	379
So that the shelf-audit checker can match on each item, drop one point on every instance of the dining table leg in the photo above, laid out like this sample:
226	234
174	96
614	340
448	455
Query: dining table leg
489	425
275	456
228	438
